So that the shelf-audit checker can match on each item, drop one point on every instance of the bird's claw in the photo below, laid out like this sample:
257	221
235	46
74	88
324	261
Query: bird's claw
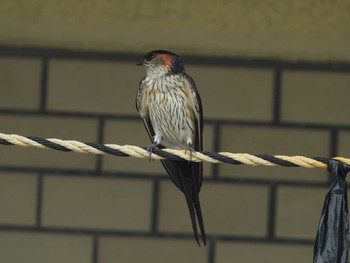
192	151
150	150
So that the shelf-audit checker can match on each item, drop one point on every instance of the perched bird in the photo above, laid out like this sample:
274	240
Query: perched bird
168	101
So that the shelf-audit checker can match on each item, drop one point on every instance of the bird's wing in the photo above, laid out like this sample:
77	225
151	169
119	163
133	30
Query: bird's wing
193	172
139	95
198	113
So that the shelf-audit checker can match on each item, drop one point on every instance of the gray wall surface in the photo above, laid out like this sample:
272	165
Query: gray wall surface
274	78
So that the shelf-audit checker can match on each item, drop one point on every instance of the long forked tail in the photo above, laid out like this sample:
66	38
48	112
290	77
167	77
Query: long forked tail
188	178
191	193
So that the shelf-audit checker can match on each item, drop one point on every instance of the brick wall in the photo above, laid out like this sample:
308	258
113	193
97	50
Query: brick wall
70	207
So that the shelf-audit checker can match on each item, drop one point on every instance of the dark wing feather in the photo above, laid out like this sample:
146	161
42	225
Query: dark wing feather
198	145
139	95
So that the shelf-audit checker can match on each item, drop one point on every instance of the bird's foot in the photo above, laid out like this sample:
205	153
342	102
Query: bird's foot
150	149
192	151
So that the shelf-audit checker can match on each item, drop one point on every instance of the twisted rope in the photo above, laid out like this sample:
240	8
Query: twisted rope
174	155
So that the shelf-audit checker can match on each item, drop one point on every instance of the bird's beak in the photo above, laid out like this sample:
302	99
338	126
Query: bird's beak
139	64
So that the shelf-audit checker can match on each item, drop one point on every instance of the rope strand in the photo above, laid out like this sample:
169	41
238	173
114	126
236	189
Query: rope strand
175	155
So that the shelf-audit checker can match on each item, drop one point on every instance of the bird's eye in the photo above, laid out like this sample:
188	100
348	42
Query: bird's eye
149	56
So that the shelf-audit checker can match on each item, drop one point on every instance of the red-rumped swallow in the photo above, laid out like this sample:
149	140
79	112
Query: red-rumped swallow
169	103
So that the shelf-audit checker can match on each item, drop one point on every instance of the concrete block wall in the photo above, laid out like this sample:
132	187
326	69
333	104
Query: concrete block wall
70	207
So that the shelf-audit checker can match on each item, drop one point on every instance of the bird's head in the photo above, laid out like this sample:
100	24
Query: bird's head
161	62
